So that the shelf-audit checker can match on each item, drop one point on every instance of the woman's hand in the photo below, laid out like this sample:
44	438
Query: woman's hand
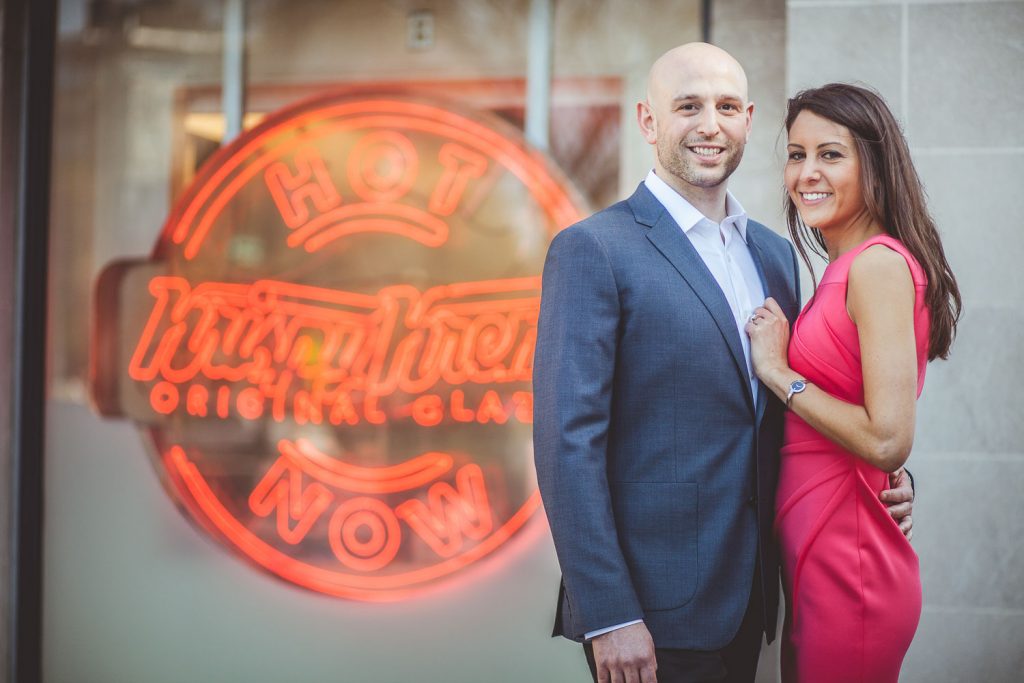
768	330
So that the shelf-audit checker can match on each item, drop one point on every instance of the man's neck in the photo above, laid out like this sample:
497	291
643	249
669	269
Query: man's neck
710	201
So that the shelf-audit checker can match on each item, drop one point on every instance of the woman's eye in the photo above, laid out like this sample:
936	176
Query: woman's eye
831	155
796	156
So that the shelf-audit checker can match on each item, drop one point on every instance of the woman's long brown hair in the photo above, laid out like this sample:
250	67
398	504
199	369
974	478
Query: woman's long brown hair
892	192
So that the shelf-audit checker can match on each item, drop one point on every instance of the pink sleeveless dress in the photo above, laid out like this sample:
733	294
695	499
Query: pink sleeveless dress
852	582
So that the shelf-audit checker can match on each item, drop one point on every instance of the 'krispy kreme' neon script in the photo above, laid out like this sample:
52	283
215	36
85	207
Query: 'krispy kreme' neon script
350	349
330	350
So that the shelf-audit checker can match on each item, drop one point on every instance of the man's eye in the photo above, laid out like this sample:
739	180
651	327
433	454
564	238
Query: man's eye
729	107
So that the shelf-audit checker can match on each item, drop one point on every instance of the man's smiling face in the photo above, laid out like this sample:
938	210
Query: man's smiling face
701	118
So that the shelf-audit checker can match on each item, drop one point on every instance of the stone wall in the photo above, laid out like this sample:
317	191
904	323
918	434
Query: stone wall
952	72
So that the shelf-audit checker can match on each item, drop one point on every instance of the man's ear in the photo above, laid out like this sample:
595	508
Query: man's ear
648	126
750	119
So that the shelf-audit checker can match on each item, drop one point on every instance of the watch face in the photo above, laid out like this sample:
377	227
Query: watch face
797	386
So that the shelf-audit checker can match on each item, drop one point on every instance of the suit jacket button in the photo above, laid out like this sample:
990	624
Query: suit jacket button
752	500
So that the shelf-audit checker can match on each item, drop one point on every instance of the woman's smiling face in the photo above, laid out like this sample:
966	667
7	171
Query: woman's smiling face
822	173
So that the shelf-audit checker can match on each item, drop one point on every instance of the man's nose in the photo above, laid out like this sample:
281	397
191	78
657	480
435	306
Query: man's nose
708	123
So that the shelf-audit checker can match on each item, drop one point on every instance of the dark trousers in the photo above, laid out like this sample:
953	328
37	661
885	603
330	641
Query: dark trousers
734	663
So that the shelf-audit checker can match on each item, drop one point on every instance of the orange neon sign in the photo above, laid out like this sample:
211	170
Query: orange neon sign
331	348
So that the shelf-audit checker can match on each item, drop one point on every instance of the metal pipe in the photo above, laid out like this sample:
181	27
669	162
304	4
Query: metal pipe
233	90
27	53
540	46
705	20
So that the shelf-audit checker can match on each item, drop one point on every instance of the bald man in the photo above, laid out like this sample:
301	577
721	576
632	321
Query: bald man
656	447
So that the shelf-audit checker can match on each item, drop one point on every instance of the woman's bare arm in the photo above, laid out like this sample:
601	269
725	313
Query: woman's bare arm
880	301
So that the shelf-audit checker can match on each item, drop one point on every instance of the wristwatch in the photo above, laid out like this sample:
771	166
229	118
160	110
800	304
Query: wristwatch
795	387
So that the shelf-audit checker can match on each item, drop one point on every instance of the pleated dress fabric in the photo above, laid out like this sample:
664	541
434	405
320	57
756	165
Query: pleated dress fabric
853	587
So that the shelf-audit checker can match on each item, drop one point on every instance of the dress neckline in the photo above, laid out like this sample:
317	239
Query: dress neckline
870	241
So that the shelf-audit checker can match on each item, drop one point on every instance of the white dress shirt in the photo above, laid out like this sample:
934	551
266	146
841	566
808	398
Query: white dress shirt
723	248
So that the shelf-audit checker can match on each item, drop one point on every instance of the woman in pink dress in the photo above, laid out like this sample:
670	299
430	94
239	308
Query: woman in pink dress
886	304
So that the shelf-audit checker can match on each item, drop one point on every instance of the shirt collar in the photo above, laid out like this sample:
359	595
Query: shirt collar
686	215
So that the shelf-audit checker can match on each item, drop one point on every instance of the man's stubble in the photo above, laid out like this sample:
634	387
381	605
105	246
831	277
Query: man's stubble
674	159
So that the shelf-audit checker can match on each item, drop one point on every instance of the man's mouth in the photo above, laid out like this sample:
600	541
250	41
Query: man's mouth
705	151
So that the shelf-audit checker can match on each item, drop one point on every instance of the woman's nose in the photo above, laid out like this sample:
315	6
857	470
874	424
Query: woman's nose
810	172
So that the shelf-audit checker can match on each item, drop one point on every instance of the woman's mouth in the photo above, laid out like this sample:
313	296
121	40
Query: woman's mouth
814	197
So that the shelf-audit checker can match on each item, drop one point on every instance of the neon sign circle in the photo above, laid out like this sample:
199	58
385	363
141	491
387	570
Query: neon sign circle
331	348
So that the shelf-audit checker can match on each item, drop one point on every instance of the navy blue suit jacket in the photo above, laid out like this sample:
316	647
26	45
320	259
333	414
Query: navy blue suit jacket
656	466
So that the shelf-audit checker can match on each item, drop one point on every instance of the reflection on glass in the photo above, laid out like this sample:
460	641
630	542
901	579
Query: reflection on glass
332	347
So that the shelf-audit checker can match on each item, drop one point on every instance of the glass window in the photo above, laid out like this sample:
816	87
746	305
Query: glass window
290	372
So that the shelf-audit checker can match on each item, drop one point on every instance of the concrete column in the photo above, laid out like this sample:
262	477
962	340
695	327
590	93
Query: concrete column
951	73
538	72
234	68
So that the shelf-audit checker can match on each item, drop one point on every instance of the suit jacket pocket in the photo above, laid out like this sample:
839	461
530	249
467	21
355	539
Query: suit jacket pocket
657	525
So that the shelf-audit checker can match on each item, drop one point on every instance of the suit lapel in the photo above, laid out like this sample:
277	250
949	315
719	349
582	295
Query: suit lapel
669	239
774	282
775	286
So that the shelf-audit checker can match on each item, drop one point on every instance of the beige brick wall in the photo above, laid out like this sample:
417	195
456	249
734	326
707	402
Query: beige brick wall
952	72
